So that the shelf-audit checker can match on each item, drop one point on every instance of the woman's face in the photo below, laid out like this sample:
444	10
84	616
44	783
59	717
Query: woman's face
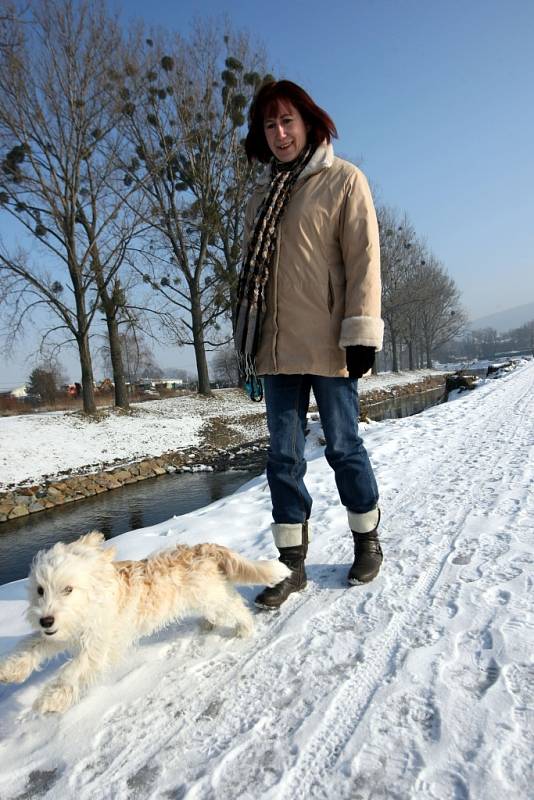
285	132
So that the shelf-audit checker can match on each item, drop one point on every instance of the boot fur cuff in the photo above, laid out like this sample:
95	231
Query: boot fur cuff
363	523
288	534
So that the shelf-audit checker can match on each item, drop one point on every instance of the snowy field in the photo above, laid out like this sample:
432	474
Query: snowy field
34	446
420	685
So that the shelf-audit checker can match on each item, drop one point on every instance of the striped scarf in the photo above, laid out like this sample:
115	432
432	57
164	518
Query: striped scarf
258	260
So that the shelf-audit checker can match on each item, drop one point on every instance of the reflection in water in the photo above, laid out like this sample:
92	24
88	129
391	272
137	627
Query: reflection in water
136	519
134	506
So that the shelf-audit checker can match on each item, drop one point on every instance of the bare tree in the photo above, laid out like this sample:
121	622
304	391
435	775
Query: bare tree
60	145
46	380
10	13
421	303
396	241
138	358
183	116
225	366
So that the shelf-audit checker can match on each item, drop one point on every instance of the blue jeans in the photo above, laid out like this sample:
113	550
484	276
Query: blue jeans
287	398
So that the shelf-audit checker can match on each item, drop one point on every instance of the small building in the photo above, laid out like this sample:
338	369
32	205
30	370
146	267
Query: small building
19	392
168	383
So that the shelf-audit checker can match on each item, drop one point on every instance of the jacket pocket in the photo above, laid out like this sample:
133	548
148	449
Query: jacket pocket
331	296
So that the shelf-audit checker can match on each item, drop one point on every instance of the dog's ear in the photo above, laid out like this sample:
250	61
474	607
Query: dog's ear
92	539
108	553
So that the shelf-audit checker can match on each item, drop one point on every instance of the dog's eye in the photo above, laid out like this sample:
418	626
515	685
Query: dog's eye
67	590
40	591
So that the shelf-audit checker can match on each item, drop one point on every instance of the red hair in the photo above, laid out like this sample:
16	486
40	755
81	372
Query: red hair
267	101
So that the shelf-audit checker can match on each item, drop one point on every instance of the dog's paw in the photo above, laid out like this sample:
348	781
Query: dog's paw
15	669
55	699
244	630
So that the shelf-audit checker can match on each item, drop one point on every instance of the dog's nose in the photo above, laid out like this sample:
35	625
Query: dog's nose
46	622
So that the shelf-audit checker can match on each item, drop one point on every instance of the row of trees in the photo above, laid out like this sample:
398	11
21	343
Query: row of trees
488	343
123	174
420	301
122	163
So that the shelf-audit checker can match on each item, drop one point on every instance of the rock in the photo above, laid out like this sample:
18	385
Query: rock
459	381
121	475
36	506
22	499
146	469
18	511
53	493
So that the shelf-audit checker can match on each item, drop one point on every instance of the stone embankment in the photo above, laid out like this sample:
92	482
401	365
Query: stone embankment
25	500
223	451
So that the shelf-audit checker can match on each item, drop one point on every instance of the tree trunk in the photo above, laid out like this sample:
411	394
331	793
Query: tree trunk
88	390
82	334
110	310
200	350
428	355
121	395
394	353
411	355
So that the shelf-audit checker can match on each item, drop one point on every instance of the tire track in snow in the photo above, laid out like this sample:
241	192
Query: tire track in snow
397	625
308	778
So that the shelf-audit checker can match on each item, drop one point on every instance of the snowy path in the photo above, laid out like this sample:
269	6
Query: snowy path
417	686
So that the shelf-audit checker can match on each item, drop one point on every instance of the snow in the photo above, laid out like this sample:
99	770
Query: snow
35	446
419	685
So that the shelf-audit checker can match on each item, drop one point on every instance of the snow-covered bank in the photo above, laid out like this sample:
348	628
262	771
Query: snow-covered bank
43	445
417	686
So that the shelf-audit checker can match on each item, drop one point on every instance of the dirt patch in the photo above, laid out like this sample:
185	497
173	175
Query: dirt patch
219	434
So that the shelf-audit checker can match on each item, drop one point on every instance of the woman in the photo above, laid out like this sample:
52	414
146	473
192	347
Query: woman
308	317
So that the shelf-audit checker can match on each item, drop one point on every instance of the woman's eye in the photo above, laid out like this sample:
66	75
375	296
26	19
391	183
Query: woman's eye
40	591
67	590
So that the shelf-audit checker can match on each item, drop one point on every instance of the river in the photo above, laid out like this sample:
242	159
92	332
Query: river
149	502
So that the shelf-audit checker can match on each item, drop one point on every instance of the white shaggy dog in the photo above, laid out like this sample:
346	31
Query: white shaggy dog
83	602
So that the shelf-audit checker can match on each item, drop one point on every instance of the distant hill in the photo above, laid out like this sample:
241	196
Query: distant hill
505	320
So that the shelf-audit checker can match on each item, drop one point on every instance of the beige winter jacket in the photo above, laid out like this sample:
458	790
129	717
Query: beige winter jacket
324	287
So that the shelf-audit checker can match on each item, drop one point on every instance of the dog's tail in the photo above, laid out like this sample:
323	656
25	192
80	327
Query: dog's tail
240	570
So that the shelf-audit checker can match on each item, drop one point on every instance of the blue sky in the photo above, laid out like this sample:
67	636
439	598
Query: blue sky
434	99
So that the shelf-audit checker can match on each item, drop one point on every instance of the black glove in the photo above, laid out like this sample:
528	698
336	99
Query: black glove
360	359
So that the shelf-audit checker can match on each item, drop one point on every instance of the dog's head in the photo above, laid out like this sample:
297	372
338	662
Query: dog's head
68	586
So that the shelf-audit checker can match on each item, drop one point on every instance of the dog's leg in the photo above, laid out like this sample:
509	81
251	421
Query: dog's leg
62	693
28	657
229	611
244	622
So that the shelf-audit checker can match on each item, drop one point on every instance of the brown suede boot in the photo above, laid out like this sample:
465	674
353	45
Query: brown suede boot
293	557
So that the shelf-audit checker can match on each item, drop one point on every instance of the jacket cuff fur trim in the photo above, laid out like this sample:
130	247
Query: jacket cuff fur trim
366	331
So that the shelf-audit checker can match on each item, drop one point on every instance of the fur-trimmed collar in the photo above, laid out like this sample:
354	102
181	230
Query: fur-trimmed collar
323	158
